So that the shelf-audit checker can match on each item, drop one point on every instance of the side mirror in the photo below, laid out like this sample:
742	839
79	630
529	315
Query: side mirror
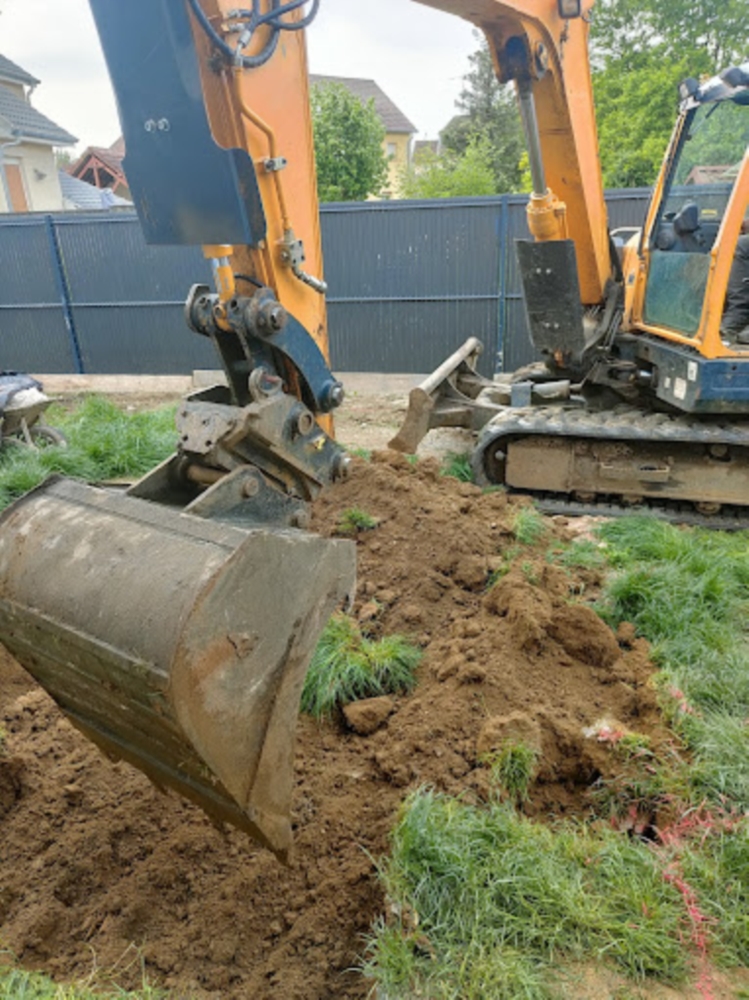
688	88
736	76
569	8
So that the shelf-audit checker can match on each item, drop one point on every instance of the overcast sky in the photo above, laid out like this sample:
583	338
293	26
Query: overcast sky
417	55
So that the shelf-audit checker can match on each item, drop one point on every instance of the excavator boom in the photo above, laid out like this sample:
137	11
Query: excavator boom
174	623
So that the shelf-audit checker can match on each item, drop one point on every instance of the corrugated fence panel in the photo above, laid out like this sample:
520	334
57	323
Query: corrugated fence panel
128	298
34	335
408	282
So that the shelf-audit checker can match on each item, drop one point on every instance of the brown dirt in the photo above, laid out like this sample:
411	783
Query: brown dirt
97	863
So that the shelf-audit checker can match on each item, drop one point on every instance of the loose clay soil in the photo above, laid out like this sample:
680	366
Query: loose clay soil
99	870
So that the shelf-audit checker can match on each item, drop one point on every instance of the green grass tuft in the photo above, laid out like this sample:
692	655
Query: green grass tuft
347	666
16	984
353	520
500	899
104	443
363	453
529	526
458	465
582	554
512	769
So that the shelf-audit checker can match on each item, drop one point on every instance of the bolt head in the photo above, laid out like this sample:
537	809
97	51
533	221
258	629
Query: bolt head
337	395
250	487
300	519
341	467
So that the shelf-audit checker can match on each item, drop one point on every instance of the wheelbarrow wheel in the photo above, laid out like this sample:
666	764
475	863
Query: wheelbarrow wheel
44	436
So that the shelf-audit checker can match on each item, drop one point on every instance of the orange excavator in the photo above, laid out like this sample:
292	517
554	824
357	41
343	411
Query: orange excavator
174	623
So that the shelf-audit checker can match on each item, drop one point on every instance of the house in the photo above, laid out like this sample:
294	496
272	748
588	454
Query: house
398	129
29	180
80	196
424	150
711	174
102	168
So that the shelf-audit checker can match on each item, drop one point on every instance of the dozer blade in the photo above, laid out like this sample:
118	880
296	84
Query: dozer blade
446	398
175	643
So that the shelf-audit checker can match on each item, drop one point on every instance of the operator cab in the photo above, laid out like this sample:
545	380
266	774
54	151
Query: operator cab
706	159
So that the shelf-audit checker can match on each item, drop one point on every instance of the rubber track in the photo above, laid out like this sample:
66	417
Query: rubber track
627	424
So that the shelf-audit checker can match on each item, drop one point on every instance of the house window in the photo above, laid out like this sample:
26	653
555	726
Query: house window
392	149
16	189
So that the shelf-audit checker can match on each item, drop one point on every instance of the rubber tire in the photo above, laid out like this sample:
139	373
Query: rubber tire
44	436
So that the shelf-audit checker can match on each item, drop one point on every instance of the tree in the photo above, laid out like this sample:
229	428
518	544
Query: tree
716	28
636	110
641	51
489	112
348	134
448	175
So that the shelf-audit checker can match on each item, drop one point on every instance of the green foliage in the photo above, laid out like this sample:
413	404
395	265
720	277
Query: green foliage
348	134
624	28
103	443
687	591
502	902
529	526
636	103
353	520
347	666
458	465
451	175
512	769
489	114
642	49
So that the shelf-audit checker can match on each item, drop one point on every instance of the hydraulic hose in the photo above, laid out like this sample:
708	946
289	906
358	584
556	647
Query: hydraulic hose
249	22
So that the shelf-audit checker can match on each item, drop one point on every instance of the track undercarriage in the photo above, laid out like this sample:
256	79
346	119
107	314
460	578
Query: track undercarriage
536	436
578	461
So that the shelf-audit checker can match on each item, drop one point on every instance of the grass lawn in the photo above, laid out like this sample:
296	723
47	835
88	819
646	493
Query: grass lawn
489	905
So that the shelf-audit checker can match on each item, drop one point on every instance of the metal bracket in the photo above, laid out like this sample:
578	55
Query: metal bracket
275	163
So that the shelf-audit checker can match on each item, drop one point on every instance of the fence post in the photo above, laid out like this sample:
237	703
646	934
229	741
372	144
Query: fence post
63	290
504	235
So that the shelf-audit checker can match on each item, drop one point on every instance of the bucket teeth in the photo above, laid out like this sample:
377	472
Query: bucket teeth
175	643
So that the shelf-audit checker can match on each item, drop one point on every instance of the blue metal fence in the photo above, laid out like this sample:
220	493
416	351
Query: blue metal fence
408	282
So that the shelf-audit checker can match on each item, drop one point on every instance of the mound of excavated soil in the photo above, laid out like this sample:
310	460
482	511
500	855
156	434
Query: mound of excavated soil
95	860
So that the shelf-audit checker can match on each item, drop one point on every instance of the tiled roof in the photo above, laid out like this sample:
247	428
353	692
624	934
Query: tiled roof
708	174
28	123
423	146
10	71
86	196
107	157
392	117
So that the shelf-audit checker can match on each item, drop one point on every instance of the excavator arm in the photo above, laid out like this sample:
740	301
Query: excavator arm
541	45
193	603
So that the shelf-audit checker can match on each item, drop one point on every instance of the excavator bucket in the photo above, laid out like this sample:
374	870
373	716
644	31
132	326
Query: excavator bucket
173	642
